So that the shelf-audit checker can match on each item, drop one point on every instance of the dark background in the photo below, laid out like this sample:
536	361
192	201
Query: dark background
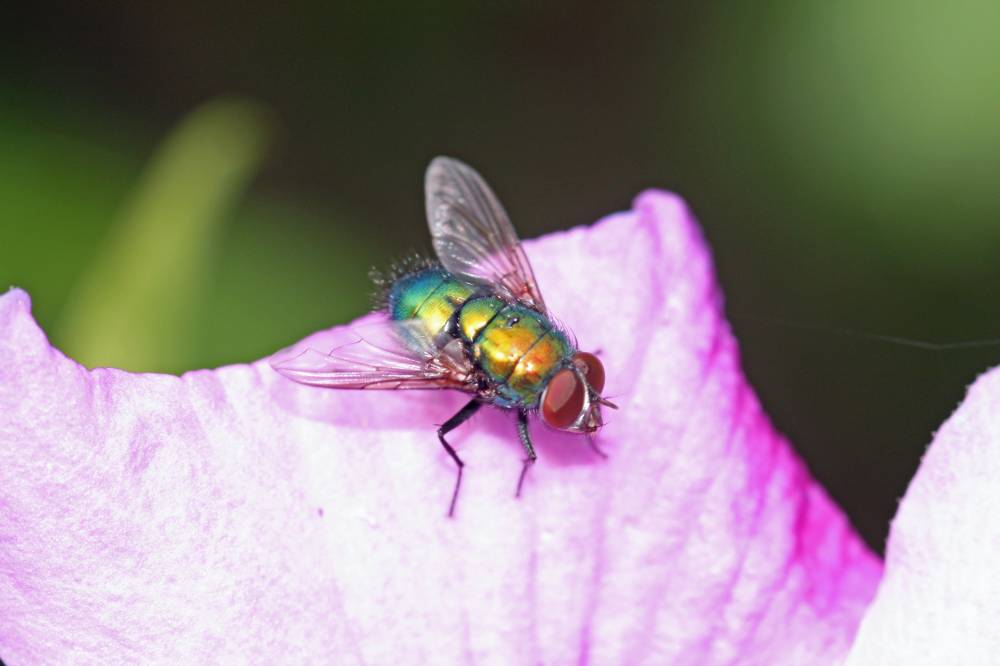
842	157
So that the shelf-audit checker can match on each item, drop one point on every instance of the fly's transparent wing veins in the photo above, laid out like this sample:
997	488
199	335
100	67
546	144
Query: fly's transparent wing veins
473	237
384	354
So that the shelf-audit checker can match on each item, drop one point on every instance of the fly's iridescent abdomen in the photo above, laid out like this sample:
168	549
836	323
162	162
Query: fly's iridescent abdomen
515	348
431	296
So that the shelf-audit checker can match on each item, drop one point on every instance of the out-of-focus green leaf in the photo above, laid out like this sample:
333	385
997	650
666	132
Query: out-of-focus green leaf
63	174
136	306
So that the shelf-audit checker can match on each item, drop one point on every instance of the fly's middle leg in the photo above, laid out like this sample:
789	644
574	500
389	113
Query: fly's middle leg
522	432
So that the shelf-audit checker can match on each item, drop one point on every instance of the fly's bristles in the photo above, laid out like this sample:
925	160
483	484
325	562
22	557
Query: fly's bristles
383	279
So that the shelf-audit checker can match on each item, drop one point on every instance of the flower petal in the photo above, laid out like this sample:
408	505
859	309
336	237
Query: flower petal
155	518
939	602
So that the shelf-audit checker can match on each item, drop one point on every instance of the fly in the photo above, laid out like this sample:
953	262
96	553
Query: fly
474	321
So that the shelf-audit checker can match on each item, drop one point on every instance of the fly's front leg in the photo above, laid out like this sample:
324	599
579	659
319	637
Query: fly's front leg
522	432
458	419
594	447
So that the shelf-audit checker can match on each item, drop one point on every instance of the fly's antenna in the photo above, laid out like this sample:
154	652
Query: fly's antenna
606	402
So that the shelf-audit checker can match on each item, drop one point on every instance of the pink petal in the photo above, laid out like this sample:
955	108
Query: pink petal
231	513
939	602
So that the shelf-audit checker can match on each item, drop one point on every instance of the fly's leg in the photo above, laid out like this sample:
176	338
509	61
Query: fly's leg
522	432
458	419
594	447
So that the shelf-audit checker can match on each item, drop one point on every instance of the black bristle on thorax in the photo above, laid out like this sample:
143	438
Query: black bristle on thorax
383	279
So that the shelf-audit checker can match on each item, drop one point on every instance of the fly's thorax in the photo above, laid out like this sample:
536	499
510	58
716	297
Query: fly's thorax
516	347
505	339
430	296
526	383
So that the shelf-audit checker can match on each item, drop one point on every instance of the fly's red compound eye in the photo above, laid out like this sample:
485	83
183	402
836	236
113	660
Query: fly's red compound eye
592	369
563	399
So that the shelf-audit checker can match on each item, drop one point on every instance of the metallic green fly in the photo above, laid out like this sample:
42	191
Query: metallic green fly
473	321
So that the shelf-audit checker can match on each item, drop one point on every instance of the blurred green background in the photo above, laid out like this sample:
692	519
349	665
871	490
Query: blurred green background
185	186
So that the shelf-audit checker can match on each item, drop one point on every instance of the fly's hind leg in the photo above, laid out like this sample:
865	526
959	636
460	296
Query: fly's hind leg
522	432
458	419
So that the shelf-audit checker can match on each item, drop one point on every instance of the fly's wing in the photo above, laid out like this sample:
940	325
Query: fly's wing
472	235
385	354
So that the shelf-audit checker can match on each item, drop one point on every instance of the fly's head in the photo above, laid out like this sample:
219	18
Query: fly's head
572	398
